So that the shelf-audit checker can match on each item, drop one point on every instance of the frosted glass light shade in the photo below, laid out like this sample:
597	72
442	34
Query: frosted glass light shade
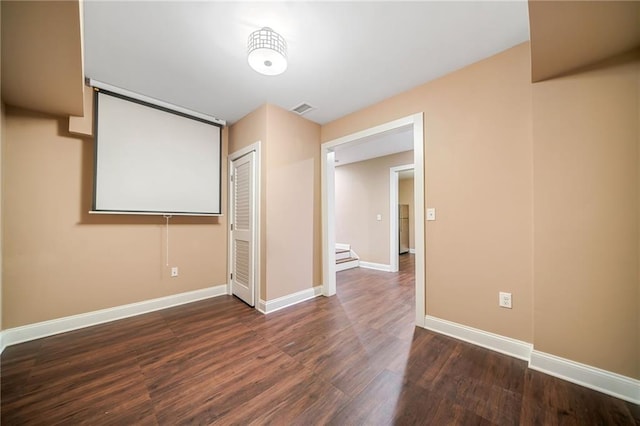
267	52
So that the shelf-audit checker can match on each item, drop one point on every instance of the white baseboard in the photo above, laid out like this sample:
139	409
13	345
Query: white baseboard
595	378
266	307
613	384
495	342
38	330
376	266
412	251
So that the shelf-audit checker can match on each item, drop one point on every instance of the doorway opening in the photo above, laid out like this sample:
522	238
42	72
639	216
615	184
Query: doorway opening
401	213
328	155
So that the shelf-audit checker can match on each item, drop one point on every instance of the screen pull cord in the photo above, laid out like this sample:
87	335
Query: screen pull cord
167	217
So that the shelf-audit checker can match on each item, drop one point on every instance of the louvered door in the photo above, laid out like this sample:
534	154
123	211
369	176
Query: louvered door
243	227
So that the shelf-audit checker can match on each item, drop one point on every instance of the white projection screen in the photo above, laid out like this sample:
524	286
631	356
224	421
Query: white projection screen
149	160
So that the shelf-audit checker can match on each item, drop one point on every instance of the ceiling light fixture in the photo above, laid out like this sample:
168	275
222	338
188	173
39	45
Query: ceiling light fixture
267	52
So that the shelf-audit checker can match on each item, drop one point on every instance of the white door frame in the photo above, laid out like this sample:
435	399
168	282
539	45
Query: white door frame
256	218
328	205
394	248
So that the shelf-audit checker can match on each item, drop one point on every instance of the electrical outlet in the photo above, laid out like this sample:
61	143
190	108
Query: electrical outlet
174	271
504	300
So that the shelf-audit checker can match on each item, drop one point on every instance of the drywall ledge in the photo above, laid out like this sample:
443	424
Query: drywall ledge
13	336
42	67
83	125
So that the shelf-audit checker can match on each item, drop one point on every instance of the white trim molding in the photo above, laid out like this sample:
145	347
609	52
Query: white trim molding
595	378
495	342
616	385
328	189
327	173
412	251
376	266
13	336
269	306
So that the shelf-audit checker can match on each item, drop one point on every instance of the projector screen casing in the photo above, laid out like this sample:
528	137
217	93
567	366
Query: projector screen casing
152	160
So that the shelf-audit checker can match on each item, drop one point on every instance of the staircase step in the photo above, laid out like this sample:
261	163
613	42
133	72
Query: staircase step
345	264
348	259
342	256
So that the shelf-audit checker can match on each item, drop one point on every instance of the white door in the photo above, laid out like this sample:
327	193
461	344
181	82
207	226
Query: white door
242	208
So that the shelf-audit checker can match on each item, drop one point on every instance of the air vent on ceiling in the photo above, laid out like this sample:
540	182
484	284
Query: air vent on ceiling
302	108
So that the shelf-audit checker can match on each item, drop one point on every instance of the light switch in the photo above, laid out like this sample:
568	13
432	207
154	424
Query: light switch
431	213
379	217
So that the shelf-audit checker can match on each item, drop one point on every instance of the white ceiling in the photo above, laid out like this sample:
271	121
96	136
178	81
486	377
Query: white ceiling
343	56
379	145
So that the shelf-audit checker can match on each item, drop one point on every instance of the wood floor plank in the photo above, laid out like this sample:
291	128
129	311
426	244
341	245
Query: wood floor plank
419	343
303	329
375	405
356	358
295	397
17	363
84	398
472	361
549	400
634	410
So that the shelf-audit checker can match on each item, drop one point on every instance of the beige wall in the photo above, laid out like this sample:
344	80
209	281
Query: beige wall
59	260
405	196
478	167
291	226
249	130
567	35
294	240
482	124
586	211
507	164
42	41
362	192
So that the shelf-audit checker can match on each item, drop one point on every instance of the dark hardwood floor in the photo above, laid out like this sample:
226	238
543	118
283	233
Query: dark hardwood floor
352	359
